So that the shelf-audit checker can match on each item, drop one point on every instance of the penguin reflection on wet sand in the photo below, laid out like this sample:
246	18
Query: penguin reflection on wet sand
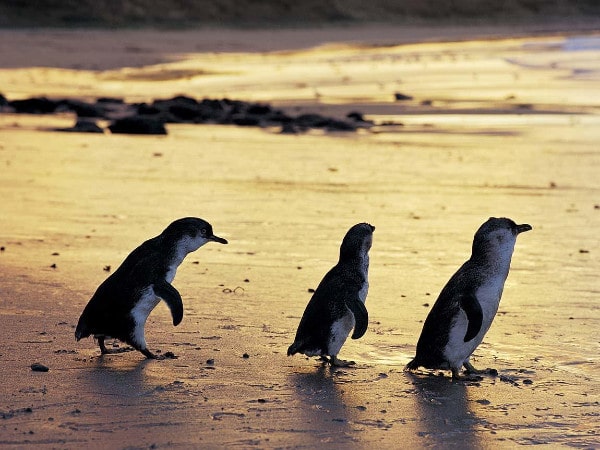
122	303
338	304
466	306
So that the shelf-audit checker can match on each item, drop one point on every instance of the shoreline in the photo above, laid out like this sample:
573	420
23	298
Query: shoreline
144	47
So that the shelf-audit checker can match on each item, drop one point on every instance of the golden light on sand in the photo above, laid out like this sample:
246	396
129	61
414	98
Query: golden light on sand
495	128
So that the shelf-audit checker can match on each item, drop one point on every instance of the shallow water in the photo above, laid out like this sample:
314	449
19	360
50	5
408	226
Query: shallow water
284	203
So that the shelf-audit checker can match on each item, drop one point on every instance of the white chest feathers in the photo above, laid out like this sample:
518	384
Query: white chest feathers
488	295
140	312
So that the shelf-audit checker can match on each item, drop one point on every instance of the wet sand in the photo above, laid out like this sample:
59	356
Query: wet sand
504	127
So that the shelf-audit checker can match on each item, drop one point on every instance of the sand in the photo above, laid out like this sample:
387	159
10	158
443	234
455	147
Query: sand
497	127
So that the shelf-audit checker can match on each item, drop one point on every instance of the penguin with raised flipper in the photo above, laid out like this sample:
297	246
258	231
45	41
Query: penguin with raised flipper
122	303
338	304
466	306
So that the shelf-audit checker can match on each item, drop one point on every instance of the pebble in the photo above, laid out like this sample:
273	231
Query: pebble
37	367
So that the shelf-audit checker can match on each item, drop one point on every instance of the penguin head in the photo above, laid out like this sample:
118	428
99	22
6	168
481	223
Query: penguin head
497	237
190	233
357	242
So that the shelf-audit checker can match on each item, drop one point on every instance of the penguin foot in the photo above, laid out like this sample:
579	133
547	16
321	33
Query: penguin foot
148	354
456	376
335	362
467	377
470	370
113	351
120	350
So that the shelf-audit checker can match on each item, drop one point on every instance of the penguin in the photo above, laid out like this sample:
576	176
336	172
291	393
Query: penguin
466	306
122	303
338	304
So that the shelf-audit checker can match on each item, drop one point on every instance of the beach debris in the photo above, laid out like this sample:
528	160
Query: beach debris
220	415
37	367
509	379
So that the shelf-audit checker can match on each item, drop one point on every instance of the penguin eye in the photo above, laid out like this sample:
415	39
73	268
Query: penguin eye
203	231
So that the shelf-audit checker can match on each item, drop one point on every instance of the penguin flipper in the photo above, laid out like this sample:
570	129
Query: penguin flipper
361	317
472	308
172	298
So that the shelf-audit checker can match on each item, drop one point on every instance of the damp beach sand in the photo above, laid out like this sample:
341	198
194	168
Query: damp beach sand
495	126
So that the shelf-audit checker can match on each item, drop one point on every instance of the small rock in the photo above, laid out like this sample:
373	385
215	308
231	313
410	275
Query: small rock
483	402
37	367
36	105
170	355
245	356
355	115
138	125
210	362
288	128
527	381
83	126
310	290
398	96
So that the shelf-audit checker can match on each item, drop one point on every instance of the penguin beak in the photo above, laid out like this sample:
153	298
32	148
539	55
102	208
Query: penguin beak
218	239
524	227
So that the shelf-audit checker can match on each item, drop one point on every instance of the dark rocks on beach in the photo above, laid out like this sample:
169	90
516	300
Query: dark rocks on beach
137	125
79	107
83	126
35	105
356	116
398	96
150	118
307	121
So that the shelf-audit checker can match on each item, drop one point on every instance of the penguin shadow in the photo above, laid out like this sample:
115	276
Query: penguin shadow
120	378
444	414
322	407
